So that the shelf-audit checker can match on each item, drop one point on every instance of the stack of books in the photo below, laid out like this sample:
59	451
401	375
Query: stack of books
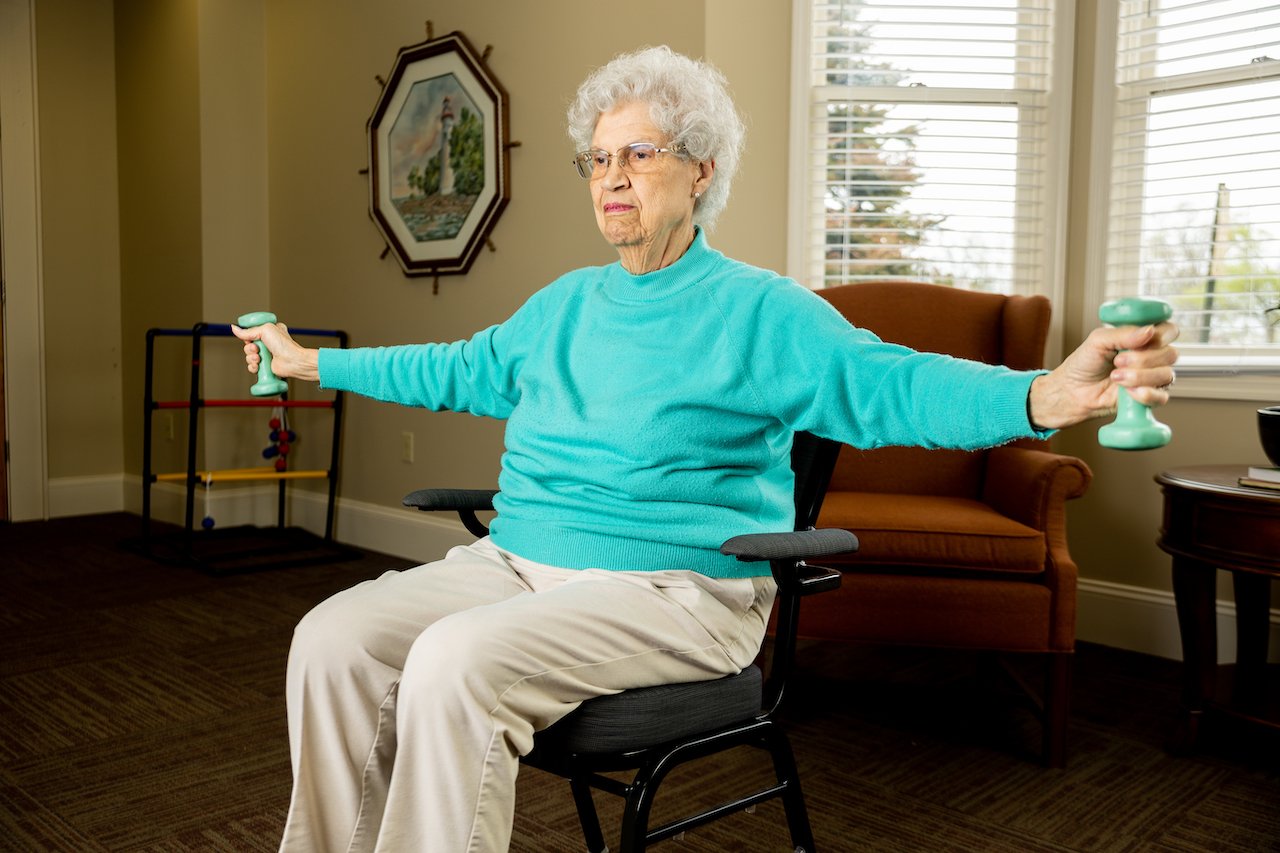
1262	478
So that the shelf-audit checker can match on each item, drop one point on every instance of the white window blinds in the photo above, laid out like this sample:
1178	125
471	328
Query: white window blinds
928	143
1195	171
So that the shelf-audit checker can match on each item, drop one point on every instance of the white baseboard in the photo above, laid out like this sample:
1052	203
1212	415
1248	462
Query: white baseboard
1145	620
1110	614
399	532
86	495
228	505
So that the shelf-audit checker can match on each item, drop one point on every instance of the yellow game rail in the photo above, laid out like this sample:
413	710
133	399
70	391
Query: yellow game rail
233	475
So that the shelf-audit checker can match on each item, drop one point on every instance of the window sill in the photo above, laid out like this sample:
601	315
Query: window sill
1202	379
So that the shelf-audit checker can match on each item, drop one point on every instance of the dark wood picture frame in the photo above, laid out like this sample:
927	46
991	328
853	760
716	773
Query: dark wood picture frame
439	159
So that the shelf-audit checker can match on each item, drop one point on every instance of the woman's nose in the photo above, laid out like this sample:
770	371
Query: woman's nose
614	175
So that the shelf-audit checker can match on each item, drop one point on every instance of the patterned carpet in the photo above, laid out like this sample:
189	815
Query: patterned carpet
141	709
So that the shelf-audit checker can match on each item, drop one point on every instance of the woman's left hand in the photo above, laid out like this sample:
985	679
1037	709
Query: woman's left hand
1086	384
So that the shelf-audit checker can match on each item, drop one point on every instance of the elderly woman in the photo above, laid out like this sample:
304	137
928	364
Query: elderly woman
650	406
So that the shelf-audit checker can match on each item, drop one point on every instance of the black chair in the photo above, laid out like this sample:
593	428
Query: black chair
652	730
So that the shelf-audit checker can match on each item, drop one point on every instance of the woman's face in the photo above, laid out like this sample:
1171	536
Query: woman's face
644	214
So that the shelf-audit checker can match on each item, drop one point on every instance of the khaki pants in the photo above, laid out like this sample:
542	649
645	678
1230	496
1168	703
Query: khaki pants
411	697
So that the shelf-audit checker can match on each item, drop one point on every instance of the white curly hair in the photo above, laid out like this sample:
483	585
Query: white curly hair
688	100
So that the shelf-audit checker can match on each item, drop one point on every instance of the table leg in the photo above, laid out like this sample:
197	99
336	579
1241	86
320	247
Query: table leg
1194	585
1253	611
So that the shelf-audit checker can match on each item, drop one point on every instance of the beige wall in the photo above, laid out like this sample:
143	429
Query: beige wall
234	231
751	43
1114	527
158	119
325	264
310	252
81	237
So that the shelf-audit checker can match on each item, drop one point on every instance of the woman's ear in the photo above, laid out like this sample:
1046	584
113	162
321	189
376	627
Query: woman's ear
706	168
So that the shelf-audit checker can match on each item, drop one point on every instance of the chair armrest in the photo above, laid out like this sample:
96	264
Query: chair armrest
465	502
1032	486
786	553
796	545
796	579
431	500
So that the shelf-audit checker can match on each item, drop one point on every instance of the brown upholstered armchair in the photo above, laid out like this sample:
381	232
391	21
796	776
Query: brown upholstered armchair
959	549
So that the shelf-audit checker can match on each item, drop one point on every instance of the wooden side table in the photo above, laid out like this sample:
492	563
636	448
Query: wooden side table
1211	522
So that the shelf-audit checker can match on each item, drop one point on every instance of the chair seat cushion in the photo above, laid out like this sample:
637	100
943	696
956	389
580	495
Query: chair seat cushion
647	716
935	531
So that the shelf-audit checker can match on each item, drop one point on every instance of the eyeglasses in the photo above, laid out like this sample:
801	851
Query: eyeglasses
638	158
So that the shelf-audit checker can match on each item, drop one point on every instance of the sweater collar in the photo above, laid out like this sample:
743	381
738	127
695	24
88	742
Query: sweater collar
694	264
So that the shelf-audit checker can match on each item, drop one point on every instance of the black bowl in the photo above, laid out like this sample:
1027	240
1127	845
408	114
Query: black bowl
1269	432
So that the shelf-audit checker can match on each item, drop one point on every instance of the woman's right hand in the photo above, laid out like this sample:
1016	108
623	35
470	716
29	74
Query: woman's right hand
289	359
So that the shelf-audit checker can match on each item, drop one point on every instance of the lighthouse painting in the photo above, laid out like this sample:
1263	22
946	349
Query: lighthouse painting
438	156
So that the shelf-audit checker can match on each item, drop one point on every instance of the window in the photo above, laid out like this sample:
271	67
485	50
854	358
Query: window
933	139
1192	88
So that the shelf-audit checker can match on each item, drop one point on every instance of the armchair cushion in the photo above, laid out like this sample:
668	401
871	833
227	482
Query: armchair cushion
934	531
949	612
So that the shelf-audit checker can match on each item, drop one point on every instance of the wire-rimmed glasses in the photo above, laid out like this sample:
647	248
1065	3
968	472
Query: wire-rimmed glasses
638	158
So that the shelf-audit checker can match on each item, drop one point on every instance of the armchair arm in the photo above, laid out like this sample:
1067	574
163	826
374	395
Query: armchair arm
1032	486
465	502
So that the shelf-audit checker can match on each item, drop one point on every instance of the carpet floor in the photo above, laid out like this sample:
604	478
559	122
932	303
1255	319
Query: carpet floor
142	709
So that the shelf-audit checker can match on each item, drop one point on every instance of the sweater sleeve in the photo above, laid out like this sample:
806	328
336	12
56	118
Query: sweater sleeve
463	376
828	377
478	375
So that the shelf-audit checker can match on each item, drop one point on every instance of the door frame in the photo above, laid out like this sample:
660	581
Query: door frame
23	321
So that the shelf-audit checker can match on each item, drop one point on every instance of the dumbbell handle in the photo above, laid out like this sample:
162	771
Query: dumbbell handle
268	384
1134	428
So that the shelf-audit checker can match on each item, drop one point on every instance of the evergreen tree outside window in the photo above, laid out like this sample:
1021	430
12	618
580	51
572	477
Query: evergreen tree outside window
929	141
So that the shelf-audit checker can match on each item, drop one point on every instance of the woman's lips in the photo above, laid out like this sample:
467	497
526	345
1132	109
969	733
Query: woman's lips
616	207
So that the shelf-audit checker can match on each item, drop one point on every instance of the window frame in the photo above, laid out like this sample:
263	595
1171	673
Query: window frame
1200	376
1057	109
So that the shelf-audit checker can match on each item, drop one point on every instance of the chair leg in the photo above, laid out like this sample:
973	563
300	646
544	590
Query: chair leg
1057	707
587	815
784	767
644	786
635	811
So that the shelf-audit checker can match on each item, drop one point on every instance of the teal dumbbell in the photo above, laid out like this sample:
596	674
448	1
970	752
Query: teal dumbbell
1134	428
268	385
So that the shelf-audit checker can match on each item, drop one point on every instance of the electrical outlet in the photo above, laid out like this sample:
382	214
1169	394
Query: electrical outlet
406	447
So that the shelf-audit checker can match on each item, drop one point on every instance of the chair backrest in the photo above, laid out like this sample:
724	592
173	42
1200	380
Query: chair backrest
987	327
813	460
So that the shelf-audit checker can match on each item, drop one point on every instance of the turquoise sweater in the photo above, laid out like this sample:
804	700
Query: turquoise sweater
649	417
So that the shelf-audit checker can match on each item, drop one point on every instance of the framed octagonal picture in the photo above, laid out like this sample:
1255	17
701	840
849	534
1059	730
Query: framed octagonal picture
438	156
